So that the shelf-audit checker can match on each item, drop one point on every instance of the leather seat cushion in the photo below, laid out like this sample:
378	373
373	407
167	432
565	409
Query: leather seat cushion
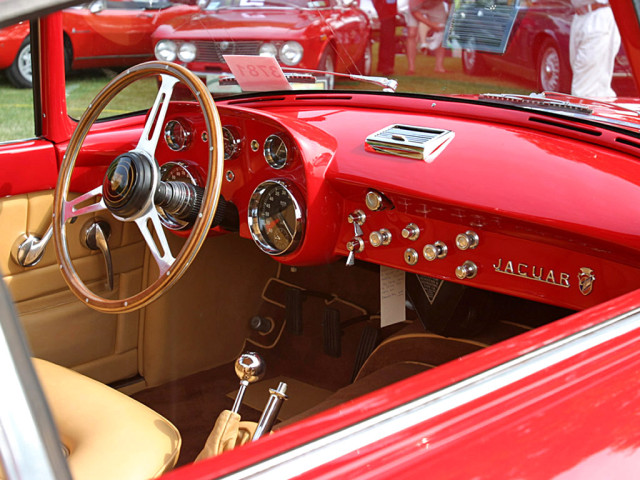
107	434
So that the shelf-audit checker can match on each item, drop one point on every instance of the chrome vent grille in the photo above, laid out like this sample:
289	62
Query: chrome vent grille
213	51
409	141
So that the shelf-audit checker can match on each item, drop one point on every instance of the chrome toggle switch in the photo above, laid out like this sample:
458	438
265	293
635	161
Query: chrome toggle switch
411	232
467	270
381	237
467	240
357	217
436	250
355	245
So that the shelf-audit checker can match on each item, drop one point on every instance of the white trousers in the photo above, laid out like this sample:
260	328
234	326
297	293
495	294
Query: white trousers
593	46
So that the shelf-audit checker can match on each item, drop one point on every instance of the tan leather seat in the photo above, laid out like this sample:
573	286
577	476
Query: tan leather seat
107	434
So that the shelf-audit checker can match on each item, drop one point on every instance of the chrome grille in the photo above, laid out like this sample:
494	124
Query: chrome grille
213	51
409	141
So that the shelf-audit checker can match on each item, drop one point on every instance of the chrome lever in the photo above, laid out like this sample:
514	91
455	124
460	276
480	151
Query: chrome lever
271	410
96	238
28	249
249	368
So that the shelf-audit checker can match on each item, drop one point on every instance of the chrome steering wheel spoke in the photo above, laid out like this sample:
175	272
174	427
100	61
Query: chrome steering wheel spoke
158	245
154	125
72	209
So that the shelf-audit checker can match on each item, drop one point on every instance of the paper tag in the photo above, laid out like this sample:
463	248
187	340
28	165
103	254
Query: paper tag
257	74
392	296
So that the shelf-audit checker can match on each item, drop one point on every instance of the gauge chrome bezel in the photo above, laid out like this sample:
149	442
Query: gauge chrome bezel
171	141
269	153
231	133
253	216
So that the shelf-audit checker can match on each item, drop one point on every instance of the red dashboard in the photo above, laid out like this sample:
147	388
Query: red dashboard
488	208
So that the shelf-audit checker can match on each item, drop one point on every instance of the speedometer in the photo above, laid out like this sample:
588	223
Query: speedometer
276	217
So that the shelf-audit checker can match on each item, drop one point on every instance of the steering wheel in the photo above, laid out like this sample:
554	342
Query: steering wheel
131	183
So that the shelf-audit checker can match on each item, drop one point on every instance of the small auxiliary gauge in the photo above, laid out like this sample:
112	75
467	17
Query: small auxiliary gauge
231	142
276	152
276	217
177	135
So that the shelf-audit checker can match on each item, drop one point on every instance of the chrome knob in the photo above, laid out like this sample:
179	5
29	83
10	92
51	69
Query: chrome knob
436	250
467	240
411	232
381	237
467	270
249	368
374	201
411	256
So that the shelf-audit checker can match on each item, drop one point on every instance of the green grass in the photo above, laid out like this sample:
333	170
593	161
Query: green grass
16	104
16	112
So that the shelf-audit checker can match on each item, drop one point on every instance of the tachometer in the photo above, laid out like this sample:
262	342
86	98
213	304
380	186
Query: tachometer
276	217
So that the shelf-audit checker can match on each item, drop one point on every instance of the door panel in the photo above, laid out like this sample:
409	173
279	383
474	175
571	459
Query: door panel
60	328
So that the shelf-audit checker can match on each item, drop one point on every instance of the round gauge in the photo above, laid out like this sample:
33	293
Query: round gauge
276	152
177	136
275	217
231	142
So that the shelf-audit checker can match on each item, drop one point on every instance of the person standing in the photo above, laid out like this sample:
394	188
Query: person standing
593	45
387	10
433	13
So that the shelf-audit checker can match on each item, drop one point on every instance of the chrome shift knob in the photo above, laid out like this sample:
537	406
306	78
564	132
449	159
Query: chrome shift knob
250	368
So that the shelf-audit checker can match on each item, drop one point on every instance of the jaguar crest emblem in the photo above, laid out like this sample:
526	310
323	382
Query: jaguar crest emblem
586	279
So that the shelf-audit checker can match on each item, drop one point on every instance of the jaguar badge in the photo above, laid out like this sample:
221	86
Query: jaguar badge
586	279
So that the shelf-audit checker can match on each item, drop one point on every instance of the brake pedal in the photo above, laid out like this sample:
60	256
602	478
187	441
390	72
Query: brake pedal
293	312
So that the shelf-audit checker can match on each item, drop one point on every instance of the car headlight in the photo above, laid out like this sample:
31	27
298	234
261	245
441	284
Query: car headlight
166	50
187	52
291	53
268	50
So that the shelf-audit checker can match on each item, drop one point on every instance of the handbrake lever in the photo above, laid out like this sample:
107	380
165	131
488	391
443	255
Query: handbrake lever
271	410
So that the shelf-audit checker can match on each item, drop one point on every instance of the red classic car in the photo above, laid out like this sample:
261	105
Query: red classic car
537	49
93	36
326	35
374	281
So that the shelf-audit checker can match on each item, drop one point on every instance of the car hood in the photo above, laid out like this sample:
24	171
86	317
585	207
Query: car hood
239	23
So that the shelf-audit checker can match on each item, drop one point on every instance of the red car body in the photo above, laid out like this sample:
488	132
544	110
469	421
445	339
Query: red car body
95	39
560	401
338	29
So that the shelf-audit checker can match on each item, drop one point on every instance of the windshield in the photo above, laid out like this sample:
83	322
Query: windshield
435	47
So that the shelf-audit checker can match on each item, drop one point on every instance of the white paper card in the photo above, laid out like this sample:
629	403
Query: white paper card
257	74
392	296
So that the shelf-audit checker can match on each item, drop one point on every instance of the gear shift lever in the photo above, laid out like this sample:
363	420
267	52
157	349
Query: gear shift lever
249	368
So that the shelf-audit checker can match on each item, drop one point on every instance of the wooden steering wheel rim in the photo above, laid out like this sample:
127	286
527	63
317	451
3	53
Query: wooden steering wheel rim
209	202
